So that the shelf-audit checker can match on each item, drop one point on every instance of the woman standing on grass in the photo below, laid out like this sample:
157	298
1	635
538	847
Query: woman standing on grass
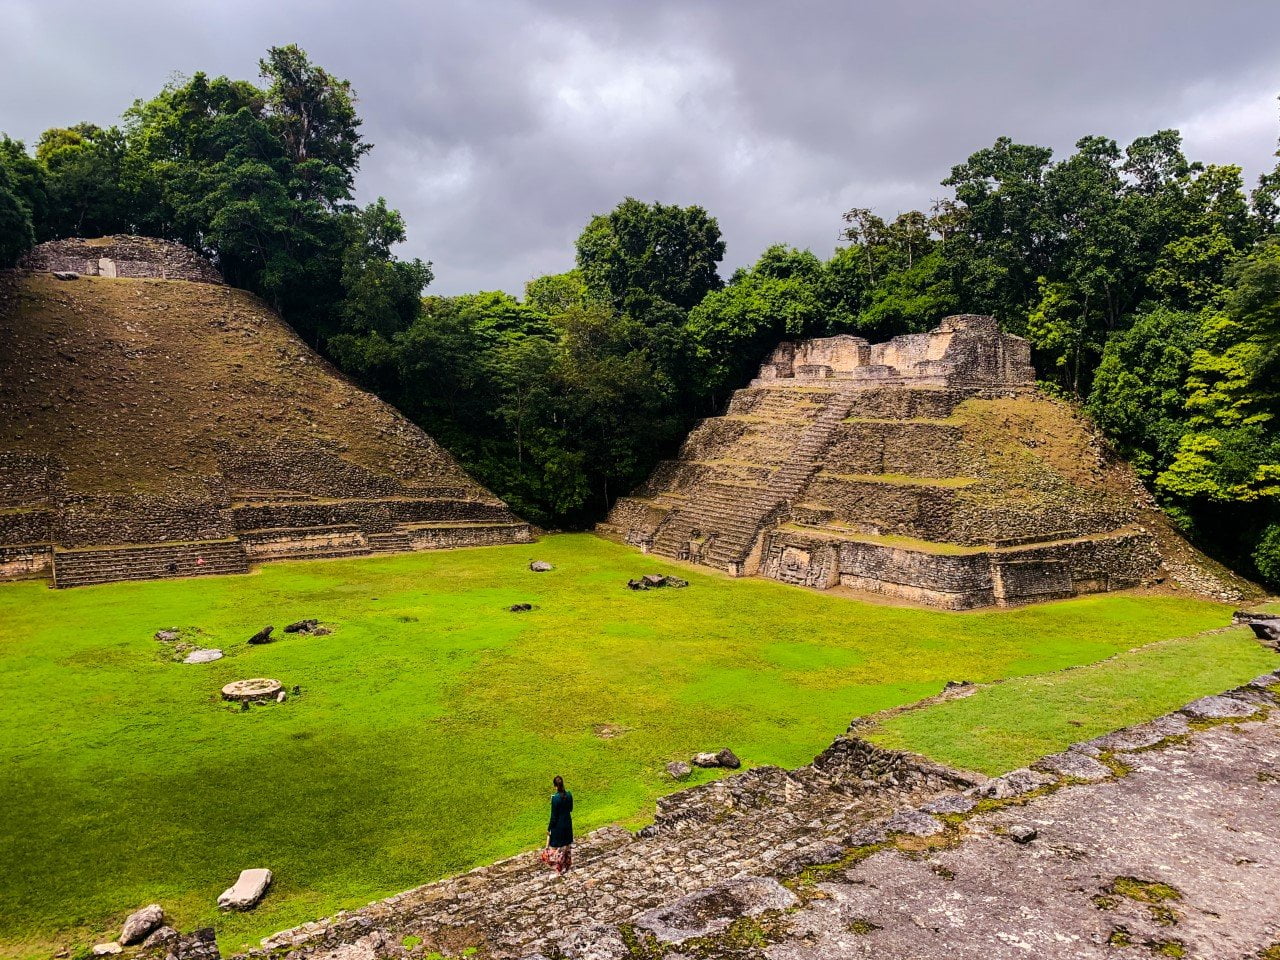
559	851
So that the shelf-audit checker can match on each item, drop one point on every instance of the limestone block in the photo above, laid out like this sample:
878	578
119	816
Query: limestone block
140	923
248	889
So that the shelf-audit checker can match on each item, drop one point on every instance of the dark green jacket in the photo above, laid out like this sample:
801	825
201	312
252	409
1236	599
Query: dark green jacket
561	825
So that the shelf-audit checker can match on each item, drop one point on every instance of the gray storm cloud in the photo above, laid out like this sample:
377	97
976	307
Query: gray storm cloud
501	127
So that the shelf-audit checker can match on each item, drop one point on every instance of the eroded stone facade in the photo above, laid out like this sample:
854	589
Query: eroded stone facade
887	468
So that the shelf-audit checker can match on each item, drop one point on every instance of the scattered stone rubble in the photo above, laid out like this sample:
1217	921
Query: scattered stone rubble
262	636
725	758
655	581
873	853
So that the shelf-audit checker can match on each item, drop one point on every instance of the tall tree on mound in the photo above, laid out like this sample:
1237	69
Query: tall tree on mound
85	182
263	180
260	178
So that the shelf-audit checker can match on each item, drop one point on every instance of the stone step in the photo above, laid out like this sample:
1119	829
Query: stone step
84	566
395	541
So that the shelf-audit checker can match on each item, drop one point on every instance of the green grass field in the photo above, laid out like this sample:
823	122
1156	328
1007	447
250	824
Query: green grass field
432	719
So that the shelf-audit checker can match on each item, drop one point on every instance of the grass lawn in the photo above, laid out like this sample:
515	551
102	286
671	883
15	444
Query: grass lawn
432	719
1018	721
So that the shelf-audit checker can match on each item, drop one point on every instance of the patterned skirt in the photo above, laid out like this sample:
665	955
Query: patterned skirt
558	858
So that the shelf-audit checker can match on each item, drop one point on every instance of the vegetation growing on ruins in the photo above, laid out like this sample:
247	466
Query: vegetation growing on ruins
1148	283
1017	721
430	720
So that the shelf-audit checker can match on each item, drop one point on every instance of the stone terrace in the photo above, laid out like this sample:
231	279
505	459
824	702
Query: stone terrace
867	853
156	423
926	468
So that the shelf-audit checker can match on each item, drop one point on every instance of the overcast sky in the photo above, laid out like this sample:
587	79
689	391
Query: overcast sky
501	127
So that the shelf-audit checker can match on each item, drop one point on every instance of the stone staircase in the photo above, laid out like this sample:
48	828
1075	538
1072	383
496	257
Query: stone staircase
720	525
763	820
90	565
390	541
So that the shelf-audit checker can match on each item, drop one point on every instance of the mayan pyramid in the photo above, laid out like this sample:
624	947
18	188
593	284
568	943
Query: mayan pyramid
928	469
155	422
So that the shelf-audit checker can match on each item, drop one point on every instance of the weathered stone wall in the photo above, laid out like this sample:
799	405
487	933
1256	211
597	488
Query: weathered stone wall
468	535
954	514
965	350
86	520
26	562
26	526
27	478
369	515
318	472
301	542
960	581
897	447
122	256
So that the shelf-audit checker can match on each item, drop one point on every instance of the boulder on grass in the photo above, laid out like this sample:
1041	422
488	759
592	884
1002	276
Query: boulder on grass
728	759
540	566
721	758
302	626
166	636
140	923
105	949
1268	631
249	888
679	770
262	636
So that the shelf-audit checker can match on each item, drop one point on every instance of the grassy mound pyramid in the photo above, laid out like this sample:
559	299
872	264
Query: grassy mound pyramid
155	422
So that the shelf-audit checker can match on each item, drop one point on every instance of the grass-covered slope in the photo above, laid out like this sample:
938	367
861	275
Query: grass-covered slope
135	385
432	719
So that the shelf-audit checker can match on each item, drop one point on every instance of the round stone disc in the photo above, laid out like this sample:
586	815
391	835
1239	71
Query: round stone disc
259	688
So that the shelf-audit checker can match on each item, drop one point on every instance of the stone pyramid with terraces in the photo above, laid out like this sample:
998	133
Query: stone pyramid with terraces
155	422
928	469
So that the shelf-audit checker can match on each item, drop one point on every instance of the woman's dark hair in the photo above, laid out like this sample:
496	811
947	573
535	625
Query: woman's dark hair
559	784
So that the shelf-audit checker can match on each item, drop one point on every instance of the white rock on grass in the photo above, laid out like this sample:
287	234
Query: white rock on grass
106	949
203	656
248	889
140	923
